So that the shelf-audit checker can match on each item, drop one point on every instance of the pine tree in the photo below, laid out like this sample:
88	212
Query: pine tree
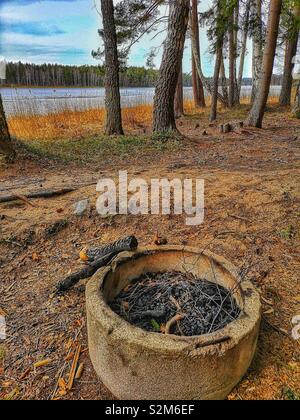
257	112
112	88
164	115
292	36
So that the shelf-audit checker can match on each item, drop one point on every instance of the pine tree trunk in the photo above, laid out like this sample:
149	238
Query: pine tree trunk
205	81
244	50
198	89
6	147
224	80
164	115
214	99
178	103
257	112
236	97
112	83
290	52
296	110
232	62
257	49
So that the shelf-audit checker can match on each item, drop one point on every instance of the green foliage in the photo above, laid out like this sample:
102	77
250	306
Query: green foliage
288	233
133	19
218	21
155	325
290	23
163	137
96	150
290	395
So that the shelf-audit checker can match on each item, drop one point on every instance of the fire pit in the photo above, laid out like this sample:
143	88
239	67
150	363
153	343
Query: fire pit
137	364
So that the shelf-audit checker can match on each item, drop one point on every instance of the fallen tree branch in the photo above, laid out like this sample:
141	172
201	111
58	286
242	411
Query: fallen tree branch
37	194
25	200
124	244
127	244
23	184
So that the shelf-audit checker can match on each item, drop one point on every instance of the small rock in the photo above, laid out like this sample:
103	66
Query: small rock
80	207
204	133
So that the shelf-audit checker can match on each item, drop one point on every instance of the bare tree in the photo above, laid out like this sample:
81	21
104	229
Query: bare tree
198	90
6	147
164	115
290	52
112	83
257	112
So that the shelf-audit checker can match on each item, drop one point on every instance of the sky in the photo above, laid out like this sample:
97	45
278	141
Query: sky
65	32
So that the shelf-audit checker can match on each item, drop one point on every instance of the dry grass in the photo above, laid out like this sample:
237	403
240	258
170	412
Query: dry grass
72	124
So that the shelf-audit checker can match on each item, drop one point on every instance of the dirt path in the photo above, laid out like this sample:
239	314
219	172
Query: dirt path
252	217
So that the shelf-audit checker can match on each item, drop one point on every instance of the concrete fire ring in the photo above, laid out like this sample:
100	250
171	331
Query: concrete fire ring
137	365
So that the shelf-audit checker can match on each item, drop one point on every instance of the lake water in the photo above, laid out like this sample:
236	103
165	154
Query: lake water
26	101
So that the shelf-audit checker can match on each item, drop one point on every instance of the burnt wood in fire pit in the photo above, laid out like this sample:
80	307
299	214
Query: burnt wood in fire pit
190	306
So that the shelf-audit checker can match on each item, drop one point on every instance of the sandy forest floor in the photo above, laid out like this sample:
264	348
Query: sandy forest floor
252	218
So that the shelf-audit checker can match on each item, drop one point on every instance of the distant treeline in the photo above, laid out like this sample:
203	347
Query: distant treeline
22	74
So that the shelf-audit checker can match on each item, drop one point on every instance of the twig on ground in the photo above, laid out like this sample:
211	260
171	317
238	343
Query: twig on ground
74	367
173	321
25	200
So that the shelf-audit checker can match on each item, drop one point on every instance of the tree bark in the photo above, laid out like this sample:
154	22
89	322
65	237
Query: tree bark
178	103
236	97
257	112
164	115
198	89
224	80
214	99
232	62
290	52
257	58
244	49
296	109
6	147
112	83
205	81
